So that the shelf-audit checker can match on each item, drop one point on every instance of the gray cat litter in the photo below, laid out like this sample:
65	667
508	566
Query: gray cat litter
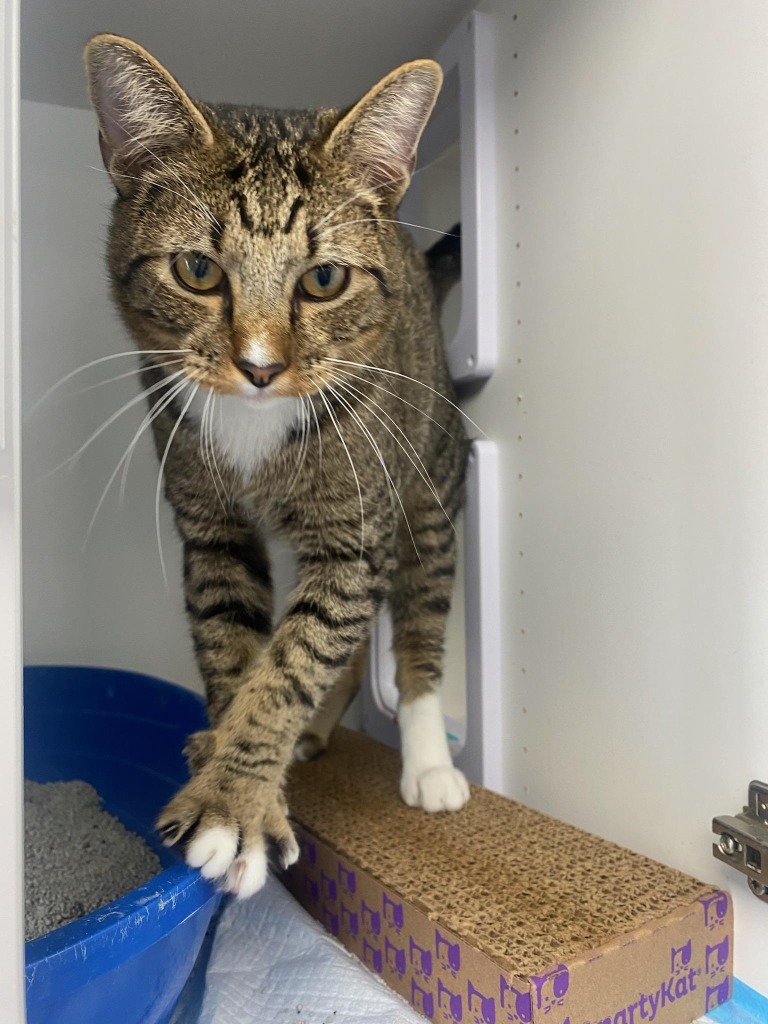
76	856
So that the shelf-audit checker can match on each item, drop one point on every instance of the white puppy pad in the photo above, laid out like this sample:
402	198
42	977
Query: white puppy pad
269	962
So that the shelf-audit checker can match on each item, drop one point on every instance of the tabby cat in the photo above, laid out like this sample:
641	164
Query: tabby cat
297	386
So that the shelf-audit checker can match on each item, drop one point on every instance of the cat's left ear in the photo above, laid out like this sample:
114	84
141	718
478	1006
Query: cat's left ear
379	135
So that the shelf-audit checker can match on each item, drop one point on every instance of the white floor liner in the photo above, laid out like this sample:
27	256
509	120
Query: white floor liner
269	962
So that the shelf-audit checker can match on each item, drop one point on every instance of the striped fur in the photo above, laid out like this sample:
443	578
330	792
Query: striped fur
364	479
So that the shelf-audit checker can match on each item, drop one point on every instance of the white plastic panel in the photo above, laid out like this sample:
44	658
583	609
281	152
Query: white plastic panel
476	741
462	126
465	112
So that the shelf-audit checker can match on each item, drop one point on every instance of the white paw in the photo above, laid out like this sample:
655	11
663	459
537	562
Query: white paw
247	874
213	851
288	851
308	747
437	789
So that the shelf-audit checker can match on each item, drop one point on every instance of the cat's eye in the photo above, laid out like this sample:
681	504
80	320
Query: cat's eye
197	272
324	282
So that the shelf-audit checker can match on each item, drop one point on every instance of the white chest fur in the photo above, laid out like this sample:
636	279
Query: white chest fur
246	431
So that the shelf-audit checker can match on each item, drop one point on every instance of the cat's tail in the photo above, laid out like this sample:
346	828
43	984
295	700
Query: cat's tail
444	262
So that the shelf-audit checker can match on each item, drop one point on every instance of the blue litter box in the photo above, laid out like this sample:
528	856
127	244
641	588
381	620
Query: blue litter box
122	732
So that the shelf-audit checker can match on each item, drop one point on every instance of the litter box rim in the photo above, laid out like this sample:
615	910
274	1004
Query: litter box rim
148	912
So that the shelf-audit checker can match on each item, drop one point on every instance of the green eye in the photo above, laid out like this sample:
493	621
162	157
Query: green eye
197	272
324	282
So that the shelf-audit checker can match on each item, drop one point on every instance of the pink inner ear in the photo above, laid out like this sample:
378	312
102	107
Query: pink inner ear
381	133
390	176
140	107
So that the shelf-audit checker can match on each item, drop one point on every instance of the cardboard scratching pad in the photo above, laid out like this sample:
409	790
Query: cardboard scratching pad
500	914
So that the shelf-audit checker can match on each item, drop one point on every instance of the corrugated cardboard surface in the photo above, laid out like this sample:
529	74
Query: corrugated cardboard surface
499	913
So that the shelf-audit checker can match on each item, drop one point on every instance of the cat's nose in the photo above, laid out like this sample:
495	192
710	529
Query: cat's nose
259	376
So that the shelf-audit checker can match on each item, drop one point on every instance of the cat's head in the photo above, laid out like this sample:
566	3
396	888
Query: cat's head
254	243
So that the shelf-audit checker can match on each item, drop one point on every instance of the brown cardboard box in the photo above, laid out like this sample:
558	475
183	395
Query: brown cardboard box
500	914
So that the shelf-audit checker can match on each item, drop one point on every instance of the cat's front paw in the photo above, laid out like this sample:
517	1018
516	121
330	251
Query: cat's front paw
225	825
442	788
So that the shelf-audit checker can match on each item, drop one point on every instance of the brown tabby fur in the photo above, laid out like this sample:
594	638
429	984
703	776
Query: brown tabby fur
268	195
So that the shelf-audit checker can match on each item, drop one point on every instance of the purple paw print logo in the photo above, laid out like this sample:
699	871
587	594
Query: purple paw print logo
481	1008
372	957
371	919
421	959
717	958
681	958
393	912
448	953
349	921
394	957
331	921
422	1000
715	909
517	1004
312	890
328	886
308	851
717	994
449	1003
549	989
347	881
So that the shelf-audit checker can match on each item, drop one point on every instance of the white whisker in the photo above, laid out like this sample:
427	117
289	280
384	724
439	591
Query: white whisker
390	220
423	471
327	405
394	394
404	376
171	436
122	376
126	457
317	427
377	450
107	423
212	448
371	441
151	416
206	449
299	458
96	362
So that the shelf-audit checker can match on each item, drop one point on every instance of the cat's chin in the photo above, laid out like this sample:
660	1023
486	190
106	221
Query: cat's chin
261	398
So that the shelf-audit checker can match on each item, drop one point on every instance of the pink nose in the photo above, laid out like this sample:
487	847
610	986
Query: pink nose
259	376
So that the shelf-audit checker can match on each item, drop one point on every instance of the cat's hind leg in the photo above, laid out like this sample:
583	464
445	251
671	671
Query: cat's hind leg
420	602
314	739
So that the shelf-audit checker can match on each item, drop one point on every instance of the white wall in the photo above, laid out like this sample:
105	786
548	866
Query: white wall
107	604
631	405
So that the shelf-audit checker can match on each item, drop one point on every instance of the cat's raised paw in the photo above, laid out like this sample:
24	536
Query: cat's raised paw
443	788
225	832
213	851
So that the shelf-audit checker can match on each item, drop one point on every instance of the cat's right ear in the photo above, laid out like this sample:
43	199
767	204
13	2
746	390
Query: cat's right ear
143	112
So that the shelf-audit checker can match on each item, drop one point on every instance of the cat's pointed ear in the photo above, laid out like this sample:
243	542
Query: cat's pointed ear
143	112
379	135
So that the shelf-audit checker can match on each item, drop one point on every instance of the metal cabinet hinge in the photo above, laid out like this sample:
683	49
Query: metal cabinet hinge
743	840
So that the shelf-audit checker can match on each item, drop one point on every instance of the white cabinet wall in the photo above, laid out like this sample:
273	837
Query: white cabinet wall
630	405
